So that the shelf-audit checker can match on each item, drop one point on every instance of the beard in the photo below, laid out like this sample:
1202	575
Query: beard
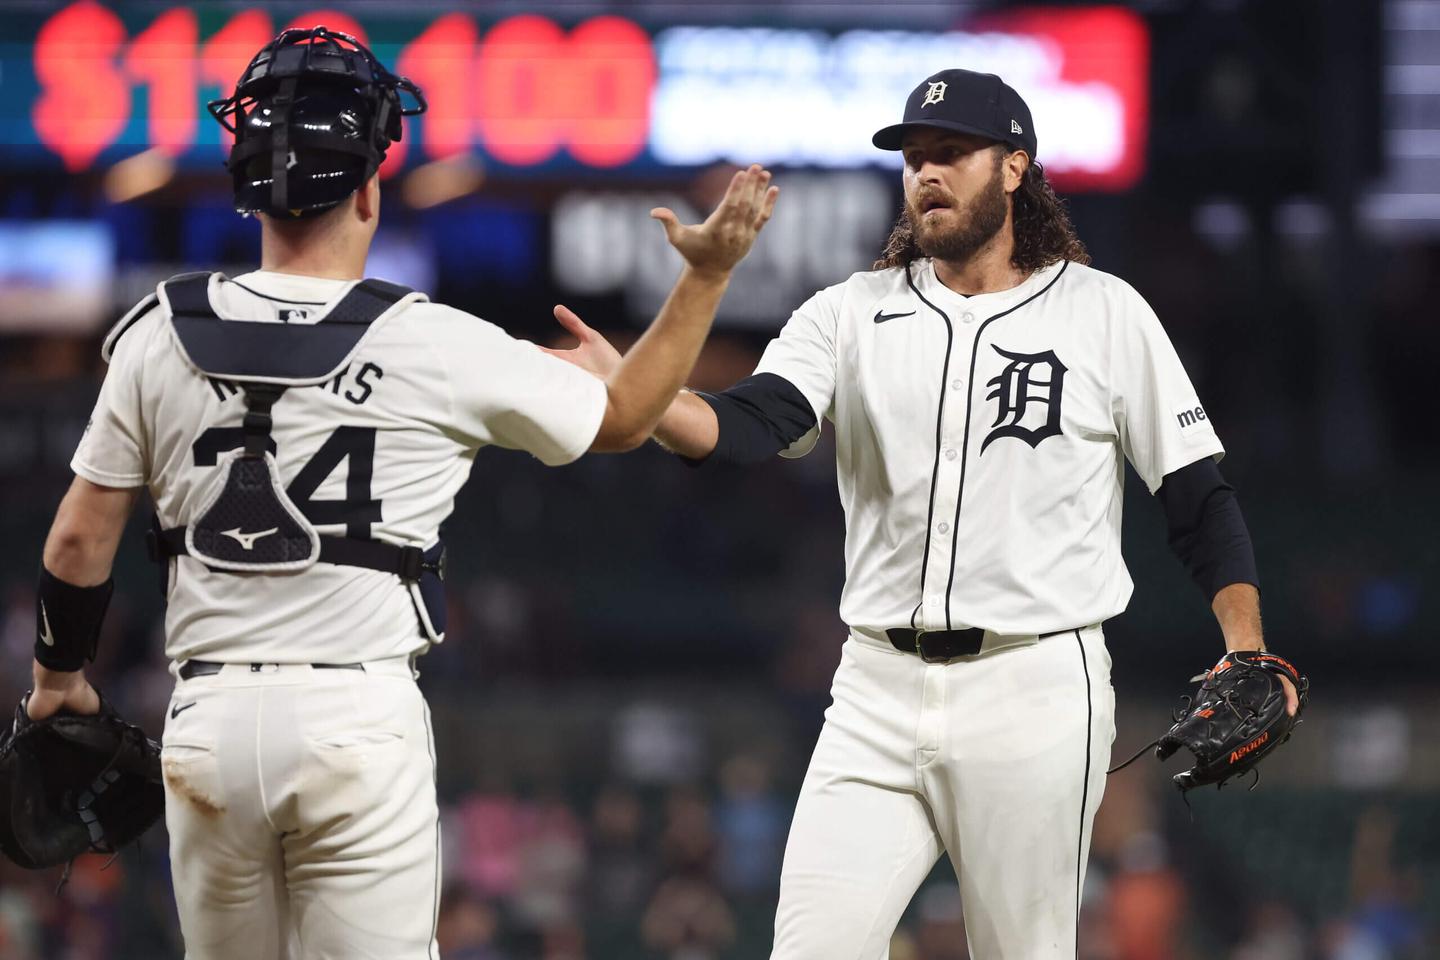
968	230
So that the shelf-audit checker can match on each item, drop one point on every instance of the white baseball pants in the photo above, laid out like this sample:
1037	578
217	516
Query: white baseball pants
302	814
998	758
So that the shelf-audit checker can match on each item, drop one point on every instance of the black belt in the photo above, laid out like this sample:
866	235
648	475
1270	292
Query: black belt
940	646
191	669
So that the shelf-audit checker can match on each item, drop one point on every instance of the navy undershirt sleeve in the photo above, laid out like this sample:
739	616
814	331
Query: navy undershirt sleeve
758	417
1206	529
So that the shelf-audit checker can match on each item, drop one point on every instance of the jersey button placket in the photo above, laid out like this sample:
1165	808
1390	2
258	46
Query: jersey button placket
952	435
937	574
947	488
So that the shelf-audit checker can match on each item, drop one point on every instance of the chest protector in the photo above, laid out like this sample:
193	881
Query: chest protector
246	522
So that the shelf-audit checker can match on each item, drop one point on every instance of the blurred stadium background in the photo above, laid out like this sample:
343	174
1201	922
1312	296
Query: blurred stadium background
640	653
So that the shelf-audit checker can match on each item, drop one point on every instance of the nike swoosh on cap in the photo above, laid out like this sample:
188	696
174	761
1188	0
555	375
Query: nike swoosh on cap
881	316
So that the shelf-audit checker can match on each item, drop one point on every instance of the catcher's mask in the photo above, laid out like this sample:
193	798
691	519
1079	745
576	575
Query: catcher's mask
313	115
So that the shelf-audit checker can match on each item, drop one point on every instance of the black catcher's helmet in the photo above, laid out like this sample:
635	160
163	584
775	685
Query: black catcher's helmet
312	116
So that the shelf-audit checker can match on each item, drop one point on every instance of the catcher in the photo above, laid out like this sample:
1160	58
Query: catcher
303	431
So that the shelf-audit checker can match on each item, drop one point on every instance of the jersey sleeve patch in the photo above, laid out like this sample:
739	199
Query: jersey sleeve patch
1192	420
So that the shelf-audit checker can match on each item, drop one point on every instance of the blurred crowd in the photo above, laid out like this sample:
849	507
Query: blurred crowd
640	653
648	819
692	647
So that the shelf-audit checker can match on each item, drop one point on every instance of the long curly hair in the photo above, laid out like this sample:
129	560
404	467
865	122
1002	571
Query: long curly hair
1043	231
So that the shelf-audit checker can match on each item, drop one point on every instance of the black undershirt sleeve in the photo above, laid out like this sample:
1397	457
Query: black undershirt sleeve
1206	529
758	417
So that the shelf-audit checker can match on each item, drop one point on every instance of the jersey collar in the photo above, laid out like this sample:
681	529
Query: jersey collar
290	286
985	304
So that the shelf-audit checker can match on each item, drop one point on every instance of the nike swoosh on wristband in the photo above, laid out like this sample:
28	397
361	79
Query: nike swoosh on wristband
47	635
881	316
176	711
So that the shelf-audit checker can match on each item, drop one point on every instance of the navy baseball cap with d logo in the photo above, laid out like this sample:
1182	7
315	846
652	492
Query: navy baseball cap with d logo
978	103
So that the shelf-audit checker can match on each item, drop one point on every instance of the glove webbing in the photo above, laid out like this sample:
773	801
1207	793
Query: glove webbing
83	804
1176	715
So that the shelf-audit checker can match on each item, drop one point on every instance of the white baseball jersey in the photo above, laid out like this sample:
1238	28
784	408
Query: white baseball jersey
979	441
393	436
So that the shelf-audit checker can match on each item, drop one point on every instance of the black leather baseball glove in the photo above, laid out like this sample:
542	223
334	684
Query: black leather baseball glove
74	784
1234	720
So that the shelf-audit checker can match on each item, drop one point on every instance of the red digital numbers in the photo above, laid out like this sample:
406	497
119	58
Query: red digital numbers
614	74
225	55
522	92
539	89
163	59
84	101
439	61
520	101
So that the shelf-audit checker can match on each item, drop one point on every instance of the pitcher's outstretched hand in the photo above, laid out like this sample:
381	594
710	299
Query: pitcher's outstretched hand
717	245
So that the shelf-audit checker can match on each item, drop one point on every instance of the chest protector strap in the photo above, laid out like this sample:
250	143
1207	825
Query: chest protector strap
248	523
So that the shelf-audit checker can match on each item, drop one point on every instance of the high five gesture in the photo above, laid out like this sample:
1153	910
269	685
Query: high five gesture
641	384
721	242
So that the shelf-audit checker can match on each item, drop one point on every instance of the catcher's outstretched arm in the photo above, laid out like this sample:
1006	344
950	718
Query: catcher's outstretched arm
644	383
73	594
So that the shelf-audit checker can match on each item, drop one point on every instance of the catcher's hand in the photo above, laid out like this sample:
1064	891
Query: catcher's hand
73	784
57	691
1238	716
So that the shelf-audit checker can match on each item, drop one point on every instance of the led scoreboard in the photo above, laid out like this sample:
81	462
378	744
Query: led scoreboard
88	84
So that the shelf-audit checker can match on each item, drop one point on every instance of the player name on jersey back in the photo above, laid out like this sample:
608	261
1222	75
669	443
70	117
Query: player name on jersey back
377	451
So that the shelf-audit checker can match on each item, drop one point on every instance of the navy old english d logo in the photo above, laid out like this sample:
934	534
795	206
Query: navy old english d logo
1030	381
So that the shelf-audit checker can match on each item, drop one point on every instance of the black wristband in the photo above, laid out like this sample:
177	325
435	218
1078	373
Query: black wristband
67	621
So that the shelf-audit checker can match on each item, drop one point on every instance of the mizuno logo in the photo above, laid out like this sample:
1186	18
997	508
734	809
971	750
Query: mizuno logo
247	540
177	710
881	316
46	634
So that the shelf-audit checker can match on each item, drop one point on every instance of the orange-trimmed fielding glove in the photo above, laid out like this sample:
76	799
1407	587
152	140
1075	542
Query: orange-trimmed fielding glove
1236	718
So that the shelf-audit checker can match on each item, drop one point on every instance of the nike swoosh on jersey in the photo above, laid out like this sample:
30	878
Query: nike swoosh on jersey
247	540
881	316
47	635
177	710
